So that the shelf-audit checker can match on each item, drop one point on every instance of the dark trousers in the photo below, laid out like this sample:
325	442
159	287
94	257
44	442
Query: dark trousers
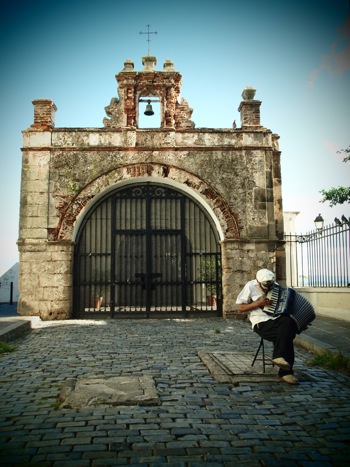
281	332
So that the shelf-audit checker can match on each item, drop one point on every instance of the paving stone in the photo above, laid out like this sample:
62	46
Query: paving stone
63	456
199	419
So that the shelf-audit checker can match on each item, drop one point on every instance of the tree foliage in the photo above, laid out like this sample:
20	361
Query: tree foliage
341	194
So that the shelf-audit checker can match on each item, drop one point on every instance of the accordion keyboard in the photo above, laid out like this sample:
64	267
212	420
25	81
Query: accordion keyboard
281	300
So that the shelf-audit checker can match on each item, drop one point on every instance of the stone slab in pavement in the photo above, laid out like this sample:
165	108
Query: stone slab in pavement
236	368
78	393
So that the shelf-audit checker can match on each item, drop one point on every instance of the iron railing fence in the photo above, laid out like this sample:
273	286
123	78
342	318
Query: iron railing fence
319	258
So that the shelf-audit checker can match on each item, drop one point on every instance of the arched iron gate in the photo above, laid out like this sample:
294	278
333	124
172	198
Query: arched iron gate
150	251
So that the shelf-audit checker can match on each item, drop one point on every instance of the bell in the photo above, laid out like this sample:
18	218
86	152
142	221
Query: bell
149	110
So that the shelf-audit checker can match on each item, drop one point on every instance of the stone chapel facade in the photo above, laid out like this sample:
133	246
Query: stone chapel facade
124	221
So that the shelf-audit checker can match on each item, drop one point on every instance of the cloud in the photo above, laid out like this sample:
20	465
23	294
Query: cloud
337	60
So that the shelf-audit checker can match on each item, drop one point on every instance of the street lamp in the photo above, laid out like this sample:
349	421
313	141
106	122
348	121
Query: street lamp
319	223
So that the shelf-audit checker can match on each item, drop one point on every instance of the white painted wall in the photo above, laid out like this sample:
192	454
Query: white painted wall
5	288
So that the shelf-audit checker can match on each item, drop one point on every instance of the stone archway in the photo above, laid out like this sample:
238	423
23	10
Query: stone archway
72	209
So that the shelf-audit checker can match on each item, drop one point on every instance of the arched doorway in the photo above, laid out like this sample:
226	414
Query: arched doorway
147	250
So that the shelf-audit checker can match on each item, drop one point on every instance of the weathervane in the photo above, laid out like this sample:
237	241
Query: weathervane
148	34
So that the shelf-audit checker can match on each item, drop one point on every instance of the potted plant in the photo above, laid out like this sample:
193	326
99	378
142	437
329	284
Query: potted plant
98	301
208	277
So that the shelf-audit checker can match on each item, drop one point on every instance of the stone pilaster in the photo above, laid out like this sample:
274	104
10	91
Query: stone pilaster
45	279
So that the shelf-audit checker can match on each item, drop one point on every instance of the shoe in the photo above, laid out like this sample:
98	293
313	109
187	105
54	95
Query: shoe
281	362
290	379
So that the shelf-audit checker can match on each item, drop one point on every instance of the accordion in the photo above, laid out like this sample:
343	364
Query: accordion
289	302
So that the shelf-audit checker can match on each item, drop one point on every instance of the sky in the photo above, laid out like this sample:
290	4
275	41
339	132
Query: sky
296	54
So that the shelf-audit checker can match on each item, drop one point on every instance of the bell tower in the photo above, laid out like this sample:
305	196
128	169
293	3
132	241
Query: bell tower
148	86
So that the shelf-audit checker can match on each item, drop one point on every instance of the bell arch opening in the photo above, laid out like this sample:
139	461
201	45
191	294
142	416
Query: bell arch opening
149	112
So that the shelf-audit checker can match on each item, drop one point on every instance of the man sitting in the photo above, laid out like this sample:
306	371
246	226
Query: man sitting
280	330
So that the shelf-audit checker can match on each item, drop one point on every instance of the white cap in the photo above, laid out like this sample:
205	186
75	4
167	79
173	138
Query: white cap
264	275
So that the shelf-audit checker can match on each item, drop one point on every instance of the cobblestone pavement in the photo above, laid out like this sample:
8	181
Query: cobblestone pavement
199	420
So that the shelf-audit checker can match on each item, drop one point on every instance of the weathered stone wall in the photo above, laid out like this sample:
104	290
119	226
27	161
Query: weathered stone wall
234	171
45	280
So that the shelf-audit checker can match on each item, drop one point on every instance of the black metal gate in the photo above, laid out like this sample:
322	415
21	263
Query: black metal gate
150	251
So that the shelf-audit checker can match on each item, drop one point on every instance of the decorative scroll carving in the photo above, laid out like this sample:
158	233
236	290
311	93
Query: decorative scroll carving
183	115
114	113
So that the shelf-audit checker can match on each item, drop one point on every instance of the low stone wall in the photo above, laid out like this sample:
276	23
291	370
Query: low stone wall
328	301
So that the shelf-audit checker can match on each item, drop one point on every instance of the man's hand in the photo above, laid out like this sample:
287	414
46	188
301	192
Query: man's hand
264	301
245	307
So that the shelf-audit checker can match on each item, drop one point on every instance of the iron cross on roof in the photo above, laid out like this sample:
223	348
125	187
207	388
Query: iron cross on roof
148	34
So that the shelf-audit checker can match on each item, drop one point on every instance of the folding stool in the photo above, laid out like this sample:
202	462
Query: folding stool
265	360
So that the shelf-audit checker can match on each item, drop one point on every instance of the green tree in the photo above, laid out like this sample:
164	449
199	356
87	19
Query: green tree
341	194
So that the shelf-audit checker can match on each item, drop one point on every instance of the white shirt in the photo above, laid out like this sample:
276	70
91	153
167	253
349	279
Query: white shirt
251	292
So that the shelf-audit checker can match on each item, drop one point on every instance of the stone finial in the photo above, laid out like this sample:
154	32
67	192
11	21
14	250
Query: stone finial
249	108
149	62
128	65
249	93
168	65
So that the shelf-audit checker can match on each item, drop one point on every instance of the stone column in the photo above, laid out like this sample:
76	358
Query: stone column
45	270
